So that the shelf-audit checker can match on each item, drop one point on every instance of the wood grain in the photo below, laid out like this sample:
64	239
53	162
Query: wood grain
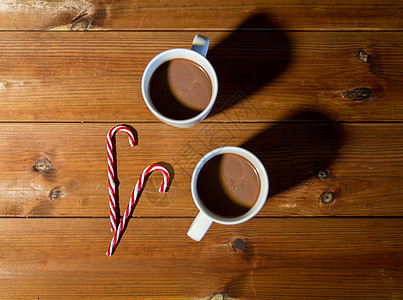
191	15
313	89
364	161
261	259
96	76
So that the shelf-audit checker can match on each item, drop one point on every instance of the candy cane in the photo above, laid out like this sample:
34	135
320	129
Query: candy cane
129	210
111	169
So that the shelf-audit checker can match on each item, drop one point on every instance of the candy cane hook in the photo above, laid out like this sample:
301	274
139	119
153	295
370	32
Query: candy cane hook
110	147
135	194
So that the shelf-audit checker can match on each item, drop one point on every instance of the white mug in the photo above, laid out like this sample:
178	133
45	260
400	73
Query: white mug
196	54
206	217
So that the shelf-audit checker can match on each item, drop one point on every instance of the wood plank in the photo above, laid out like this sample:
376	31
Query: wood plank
185	15
364	161
263	76
297	258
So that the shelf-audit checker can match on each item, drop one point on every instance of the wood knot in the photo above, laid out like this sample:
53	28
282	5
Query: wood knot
358	94
90	17
242	248
327	197
43	165
239	245
322	174
362	56
54	194
219	296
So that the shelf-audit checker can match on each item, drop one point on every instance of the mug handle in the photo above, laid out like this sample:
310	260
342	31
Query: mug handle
199	226
200	44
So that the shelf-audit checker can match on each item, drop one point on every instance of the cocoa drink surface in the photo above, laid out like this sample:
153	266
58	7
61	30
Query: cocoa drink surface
180	89
228	185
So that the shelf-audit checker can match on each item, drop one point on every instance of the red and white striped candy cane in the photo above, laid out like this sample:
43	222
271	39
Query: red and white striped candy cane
129	210
110	147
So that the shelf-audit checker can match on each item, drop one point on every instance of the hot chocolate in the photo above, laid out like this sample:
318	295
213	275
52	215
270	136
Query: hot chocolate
180	89
228	185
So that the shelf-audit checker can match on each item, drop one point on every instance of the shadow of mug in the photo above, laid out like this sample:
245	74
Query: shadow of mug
295	150
247	59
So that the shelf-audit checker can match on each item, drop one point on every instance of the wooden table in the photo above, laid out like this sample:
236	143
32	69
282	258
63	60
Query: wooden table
314	90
